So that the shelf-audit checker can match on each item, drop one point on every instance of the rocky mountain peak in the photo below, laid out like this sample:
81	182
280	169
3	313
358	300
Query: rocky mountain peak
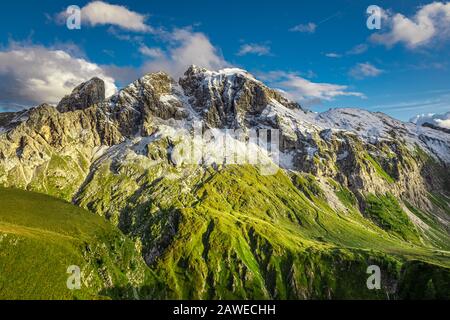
193	69
83	96
227	98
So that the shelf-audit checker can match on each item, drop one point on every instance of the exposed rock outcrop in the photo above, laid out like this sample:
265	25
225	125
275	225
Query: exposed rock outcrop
83	96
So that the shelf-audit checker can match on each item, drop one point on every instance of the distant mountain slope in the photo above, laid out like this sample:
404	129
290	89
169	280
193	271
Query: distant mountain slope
40	237
351	188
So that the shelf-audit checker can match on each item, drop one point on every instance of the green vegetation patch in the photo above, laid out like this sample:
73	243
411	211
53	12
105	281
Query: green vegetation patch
344	194
40	237
420	280
386	212
380	171
440	201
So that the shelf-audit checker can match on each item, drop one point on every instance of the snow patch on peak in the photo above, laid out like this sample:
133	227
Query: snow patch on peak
374	127
369	125
219	74
168	98
235	71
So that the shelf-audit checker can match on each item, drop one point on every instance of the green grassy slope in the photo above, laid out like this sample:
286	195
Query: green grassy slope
40	237
222	234
234	234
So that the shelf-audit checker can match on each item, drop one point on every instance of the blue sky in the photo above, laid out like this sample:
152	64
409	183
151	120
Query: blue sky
319	52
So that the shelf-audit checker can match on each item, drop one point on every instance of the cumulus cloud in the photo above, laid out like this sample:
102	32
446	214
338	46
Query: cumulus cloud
182	48
102	13
364	70
304	28
430	22
303	90
440	120
253	48
186	48
34	74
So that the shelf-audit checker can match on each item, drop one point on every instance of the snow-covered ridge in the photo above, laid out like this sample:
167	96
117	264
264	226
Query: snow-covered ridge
377	126
371	127
209	75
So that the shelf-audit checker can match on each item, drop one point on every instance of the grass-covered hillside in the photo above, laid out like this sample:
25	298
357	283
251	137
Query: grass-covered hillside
40	237
234	235
231	233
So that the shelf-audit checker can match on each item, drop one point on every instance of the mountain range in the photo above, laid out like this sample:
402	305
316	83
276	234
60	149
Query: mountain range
351	189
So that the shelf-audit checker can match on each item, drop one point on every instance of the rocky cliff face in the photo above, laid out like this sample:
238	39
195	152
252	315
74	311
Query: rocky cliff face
83	96
353	186
229	98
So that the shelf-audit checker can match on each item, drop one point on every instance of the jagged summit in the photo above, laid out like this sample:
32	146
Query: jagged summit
83	96
193	70
224	98
227	98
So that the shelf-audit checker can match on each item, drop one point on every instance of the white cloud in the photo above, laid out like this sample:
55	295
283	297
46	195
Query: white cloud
252	48
356	50
182	48
333	55
186	48
440	120
151	52
102	13
304	90
305	28
359	49
444	123
35	74
364	70
430	22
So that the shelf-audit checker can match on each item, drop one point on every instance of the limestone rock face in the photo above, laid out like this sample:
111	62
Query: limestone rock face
154	96
83	96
